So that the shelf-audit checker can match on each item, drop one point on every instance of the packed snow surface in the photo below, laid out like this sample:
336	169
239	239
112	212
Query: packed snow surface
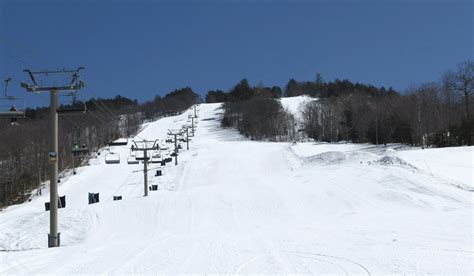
238	206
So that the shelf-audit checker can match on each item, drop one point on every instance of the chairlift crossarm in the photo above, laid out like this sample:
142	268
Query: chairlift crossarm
76	83
137	148
35	88
55	71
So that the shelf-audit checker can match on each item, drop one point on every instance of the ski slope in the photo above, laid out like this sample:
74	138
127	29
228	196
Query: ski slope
238	206
295	105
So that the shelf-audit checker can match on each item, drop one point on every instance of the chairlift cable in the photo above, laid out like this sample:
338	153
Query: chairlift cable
106	108
25	52
96	100
106	116
112	115
100	119
71	122
101	109
105	121
19	60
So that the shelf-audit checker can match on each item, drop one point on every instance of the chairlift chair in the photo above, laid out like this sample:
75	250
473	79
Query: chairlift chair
12	114
74	108
166	156
79	151
140	156
112	158
119	142
132	160
156	154
6	111
156	157
156	160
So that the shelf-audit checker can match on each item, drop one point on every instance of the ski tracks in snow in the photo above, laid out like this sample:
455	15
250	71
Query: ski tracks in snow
345	264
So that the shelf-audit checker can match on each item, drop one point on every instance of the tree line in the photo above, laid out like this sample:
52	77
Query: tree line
24	148
256	112
436	114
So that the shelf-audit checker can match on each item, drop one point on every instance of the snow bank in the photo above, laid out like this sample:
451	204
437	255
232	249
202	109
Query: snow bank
312	149
338	157
393	160
454	164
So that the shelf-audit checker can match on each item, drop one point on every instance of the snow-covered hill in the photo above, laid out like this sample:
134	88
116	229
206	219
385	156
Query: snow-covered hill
239	206
294	105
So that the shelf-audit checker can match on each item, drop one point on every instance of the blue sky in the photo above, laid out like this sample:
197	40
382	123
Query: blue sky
140	49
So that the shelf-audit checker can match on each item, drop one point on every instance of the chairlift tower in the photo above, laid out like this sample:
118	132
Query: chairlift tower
75	84
175	133
145	159
187	136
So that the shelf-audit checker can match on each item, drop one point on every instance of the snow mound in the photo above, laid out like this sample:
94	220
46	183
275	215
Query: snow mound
393	160
336	157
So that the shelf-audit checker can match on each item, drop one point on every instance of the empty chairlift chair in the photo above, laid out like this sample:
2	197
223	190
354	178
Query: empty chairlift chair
131	160
112	158
167	157
156	157
119	142
73	108
140	156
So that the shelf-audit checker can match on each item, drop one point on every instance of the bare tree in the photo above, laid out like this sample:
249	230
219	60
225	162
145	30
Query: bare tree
462	82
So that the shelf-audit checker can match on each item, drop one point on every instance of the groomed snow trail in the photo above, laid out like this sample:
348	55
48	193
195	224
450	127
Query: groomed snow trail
239	206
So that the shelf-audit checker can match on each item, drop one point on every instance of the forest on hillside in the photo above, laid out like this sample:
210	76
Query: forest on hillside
436	114
24	148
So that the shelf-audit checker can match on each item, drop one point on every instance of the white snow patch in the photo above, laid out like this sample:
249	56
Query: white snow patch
294	105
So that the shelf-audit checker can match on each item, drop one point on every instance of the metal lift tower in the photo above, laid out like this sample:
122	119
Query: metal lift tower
75	84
